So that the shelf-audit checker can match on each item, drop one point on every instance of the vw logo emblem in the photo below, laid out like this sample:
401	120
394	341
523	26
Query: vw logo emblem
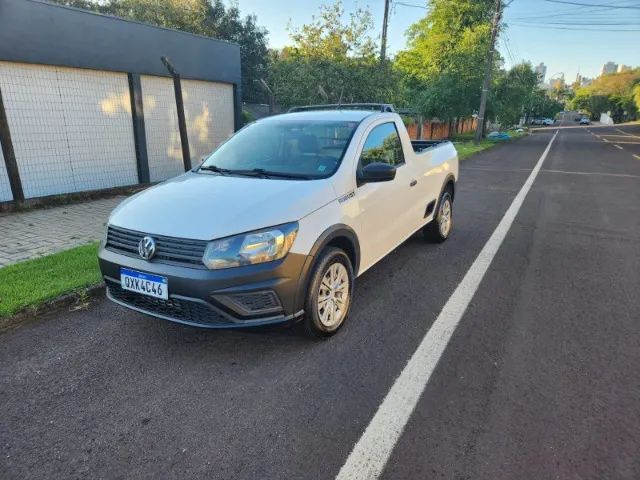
147	248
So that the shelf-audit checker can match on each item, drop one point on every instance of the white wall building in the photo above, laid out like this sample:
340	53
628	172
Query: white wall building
541	71
609	67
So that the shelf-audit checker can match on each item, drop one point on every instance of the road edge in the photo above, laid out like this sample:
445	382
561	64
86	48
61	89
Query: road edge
75	300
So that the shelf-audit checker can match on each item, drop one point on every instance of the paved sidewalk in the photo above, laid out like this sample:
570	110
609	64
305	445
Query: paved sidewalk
41	232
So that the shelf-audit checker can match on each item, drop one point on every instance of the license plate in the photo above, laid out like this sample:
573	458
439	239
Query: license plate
144	283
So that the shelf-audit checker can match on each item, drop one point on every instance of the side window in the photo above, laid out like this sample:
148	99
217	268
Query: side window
382	145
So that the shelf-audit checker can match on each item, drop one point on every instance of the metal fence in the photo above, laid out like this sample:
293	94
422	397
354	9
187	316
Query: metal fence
75	119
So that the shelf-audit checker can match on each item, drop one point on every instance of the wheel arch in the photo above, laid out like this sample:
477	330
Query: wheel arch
449	182
341	236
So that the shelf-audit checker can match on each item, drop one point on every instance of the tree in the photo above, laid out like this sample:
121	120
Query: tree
445	58
512	93
542	105
332	60
615	93
203	17
328	36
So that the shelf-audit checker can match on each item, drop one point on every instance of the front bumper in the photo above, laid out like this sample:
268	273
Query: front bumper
236	297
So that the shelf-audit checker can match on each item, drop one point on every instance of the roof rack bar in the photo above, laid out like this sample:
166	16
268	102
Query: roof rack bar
380	107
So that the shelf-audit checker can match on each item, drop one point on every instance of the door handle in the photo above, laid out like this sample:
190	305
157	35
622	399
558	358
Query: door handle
413	183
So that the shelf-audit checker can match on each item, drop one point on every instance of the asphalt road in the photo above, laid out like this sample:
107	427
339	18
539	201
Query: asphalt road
540	380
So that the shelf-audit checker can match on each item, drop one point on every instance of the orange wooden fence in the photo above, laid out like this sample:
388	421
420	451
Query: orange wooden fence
435	129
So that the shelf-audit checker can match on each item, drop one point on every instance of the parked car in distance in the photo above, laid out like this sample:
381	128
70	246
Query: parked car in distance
279	221
548	121
585	121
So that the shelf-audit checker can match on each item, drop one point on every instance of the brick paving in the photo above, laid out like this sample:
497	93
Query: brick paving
36	233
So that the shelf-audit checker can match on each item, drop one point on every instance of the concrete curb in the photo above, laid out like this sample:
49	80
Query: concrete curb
73	301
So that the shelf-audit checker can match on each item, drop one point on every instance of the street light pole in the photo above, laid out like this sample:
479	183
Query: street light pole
487	73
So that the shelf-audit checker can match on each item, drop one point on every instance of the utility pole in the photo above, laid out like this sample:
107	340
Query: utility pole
487	73
385	21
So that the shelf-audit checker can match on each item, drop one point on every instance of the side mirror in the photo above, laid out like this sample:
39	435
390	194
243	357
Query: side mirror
376	172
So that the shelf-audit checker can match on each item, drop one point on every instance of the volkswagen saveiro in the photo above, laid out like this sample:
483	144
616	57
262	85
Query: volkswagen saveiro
277	223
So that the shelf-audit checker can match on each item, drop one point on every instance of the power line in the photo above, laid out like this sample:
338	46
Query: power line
574	29
413	5
567	2
590	10
582	23
586	16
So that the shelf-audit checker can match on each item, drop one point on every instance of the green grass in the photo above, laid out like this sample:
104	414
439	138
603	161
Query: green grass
465	146
31	283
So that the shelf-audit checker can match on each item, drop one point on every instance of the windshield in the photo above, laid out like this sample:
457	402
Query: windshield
302	149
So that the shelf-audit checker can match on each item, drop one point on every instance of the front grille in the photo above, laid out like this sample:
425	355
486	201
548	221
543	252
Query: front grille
168	249
256	301
174	308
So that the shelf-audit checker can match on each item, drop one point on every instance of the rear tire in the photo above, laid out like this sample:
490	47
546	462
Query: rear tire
328	297
439	229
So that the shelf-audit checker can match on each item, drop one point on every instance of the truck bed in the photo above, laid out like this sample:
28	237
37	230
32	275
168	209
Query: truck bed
421	145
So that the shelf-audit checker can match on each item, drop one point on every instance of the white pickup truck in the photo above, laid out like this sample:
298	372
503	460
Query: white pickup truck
278	221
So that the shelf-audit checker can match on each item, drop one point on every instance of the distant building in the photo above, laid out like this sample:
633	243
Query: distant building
557	83
623	68
609	67
541	71
582	81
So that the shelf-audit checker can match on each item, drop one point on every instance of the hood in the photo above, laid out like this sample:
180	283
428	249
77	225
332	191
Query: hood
204	206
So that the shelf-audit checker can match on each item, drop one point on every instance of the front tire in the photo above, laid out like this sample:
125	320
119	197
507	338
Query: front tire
439	229
328	296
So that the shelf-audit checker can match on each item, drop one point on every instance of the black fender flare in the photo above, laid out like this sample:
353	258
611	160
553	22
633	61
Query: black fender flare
331	233
449	178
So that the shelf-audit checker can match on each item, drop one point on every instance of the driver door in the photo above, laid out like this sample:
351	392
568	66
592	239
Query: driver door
384	206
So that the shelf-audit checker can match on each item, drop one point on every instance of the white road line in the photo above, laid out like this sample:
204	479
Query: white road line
601	174
627	134
605	140
637	156
618	146
370	454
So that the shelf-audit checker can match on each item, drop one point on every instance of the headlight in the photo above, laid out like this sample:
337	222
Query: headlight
249	248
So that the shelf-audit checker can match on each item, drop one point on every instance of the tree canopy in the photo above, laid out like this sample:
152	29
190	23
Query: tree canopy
330	36
616	93
444	62
332	59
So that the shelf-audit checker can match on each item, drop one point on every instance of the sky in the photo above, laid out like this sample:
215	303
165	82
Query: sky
537	30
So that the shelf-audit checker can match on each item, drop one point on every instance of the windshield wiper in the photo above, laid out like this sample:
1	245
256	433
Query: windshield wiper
254	172
213	168
270	173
